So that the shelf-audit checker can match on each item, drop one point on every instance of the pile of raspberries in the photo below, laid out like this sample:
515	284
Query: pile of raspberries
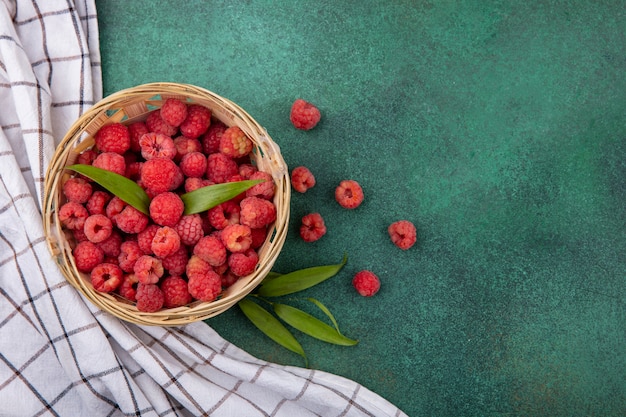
168	259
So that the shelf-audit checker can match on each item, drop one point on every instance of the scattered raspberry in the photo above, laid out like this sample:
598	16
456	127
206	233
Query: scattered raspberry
111	161
211	138
403	234
174	111
185	145
246	170
159	174
197	121
257	212
235	143
220	167
97	227
237	237
166	209
243	263
258	237
131	220
194	164
156	124
73	215
113	138
87	255
77	189
145	237
129	253
211	250
304	115
97	202
302	179
189	228
264	189
312	228
165	242
176	263
136	130
128	287
150	298
111	246
224	214
175	292
366	283
205	287
106	277
349	194
157	145
148	269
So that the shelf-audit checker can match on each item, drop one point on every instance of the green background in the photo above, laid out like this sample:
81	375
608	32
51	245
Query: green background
497	127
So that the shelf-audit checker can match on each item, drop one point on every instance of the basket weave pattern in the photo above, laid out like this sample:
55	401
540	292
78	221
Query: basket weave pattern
131	105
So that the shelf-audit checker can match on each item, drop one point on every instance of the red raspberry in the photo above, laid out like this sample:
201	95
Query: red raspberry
87	156
145	237
97	202
166	209
175	292
193	164
235	143
157	145
111	246
189	228
174	111
159	174
211	138
185	145
73	215
366	283
79	235
133	170
312	228
197	121
131	220
197	266
246	170
136	130
258	237
111	161
349	194
165	242
156	124
220	167
87	255
243	263
236	237
224	214
403	234
97	227
264	189
304	115
77	189
148	269
211	250
302	179
192	183
113	138
128	287
106	277
176	263
205	287
149	297
129	253
257	212
115	207
228	278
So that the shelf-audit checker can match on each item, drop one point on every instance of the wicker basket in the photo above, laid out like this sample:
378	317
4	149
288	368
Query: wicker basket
134	104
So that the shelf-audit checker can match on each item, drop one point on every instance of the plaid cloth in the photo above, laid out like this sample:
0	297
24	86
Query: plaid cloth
60	355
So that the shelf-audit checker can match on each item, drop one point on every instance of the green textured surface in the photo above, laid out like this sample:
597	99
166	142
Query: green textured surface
498	128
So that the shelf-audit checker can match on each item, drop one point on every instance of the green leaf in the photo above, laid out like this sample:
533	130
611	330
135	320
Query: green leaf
299	280
205	198
326	311
271	326
310	325
126	189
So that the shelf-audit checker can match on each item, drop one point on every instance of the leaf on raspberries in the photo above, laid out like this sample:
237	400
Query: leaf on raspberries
299	280
271	326
310	325
326	311
124	188
205	198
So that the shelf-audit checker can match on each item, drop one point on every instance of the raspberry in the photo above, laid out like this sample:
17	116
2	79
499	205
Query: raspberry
366	283
156	124
149	297
159	174
145	237
224	214
243	263
197	266
77	189
176	263
234	143
115	207
205	287
302	179
211	250
106	277
131	220
79	235
258	237
220	167
236	237
228	278
175	292
87	255
246	170
111	161
157	145
189	228
87	157
304	115
349	194
73	215
186	145
312	228
211	138
166	209
403	234
129	253
264	189
136	131
193	183
194	164
174	111
197	121
133	170
111	246
97	202
113	138
165	242
148	269
257	212
128	287
97	227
